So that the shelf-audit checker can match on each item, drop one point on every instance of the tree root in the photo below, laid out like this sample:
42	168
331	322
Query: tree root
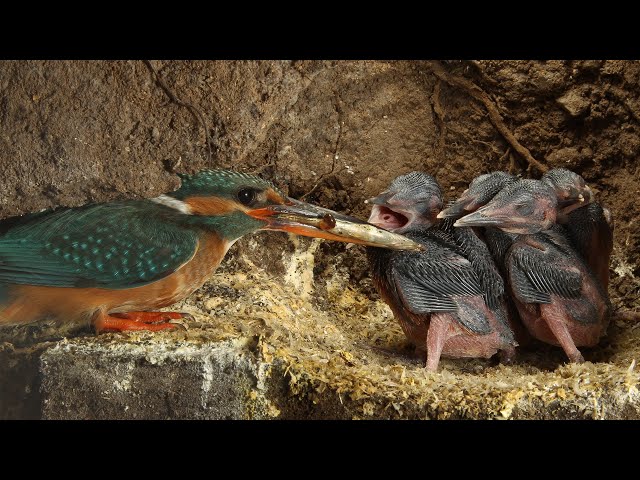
336	149
192	108
436	106
494	115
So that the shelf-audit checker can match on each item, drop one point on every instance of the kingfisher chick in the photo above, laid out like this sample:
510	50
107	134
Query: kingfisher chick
485	247
436	295
588	224
113	264
559	300
481	191
571	189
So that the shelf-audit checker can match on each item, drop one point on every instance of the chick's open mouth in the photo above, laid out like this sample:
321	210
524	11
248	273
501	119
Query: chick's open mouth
386	218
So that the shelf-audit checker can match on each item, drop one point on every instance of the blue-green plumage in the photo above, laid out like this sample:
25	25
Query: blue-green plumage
229	226
227	184
116	245
121	244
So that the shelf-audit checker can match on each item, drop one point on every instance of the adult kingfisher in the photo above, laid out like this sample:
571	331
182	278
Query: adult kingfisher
113	264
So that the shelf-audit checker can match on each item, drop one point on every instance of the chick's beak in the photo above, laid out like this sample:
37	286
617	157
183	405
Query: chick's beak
507	219
580	198
455	210
381	199
311	221
480	219
465	204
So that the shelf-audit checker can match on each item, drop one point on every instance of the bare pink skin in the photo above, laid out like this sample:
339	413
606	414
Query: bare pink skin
441	335
553	323
384	217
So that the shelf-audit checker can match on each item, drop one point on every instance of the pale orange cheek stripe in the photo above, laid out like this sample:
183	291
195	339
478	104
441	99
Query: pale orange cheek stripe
211	205
273	197
220	206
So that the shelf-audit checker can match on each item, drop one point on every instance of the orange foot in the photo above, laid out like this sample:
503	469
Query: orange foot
150	321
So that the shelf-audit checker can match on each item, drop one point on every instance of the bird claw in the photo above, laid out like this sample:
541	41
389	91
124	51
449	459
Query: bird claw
187	316
180	323
184	321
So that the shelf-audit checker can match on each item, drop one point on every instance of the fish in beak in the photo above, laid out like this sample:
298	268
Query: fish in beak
309	220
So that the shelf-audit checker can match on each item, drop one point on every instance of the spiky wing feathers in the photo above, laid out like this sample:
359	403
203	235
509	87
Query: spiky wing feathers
537	273
477	252
430	281
499	243
115	246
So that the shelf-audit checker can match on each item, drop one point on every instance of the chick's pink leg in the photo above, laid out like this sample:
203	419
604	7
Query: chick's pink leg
436	336
556	319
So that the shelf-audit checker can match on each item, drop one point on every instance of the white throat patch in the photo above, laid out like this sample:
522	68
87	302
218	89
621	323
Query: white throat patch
174	203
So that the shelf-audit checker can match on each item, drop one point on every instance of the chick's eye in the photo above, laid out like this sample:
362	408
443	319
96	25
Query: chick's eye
247	196
524	208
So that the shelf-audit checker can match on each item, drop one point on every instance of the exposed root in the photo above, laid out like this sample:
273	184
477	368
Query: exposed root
494	115
512	162
334	160
439	114
192	108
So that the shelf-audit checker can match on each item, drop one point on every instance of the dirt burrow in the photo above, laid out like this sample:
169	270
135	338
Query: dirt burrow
333	133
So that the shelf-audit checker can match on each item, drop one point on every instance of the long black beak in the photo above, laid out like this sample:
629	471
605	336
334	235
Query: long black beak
477	219
456	210
464	205
505	219
309	220
381	199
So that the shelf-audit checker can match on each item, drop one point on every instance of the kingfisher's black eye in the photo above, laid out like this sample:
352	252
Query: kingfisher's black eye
247	196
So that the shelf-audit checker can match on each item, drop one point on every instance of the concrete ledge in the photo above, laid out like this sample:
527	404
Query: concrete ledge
158	381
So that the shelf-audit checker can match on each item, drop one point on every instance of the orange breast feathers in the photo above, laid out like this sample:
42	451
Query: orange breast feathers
29	303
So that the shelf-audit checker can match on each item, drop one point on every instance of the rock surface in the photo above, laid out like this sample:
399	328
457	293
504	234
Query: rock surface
575	102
